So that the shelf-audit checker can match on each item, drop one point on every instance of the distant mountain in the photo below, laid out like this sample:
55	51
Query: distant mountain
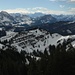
61	27
35	15
23	19
6	18
45	19
40	18
15	14
12	19
63	24
64	17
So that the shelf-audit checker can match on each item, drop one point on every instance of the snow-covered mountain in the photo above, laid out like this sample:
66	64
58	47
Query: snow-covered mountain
35	15
6	18
32	19
52	23
23	19
9	19
35	39
64	17
45	19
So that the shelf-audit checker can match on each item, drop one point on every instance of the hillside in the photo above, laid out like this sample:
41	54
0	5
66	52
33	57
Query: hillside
35	39
54	53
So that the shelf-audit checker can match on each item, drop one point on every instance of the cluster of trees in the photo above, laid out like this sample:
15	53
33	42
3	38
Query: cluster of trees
58	60
12	62
2	33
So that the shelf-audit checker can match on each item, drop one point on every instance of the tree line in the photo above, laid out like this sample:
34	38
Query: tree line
58	60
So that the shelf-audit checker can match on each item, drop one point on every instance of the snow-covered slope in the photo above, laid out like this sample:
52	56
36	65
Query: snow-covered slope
36	39
64	17
8	36
39	39
5	17
23	19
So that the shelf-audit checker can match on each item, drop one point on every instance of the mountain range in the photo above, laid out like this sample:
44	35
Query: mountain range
32	19
62	24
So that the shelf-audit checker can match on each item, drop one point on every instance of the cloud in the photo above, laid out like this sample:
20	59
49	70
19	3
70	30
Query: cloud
62	0
72	0
61	6
58	0
52	0
72	10
41	10
18	10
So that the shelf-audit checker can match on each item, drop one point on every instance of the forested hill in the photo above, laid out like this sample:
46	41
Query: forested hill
58	60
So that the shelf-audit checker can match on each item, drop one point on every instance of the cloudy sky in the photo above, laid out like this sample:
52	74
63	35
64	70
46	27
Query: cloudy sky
44	6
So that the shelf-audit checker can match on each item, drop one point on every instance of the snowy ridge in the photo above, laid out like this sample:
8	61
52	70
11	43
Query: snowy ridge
39	40
8	36
36	39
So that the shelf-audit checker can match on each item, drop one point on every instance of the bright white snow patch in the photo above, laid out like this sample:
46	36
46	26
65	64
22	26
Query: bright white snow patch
1	45
8	36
